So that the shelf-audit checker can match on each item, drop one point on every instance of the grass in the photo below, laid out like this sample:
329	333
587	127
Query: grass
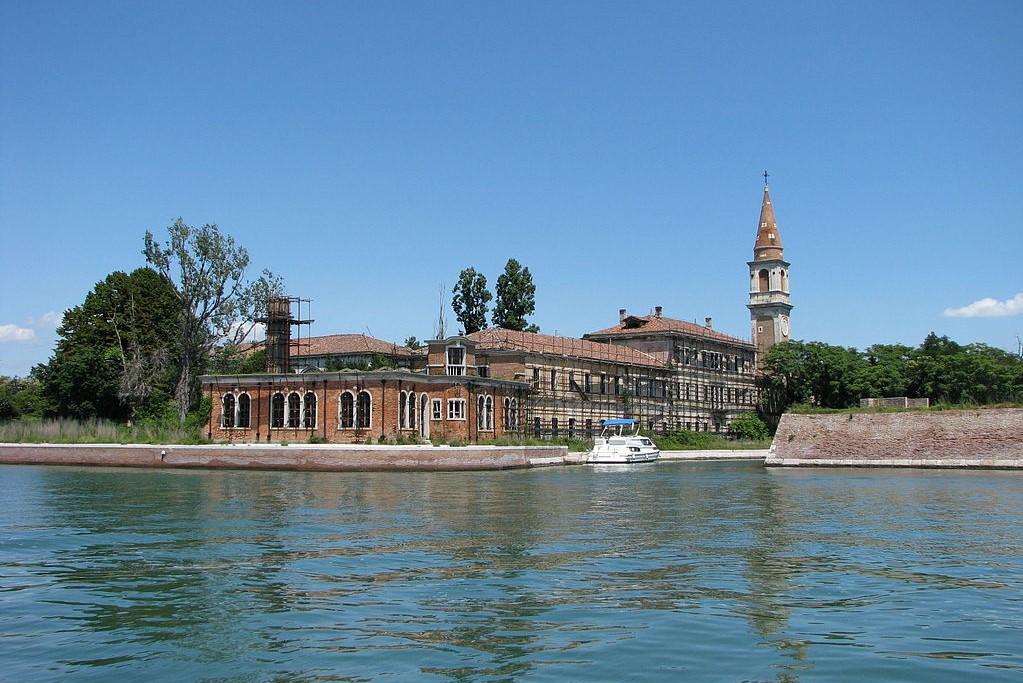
704	441
68	431
805	409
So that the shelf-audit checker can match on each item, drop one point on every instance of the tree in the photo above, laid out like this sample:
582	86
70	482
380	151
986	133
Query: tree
470	300
115	354
515	298
749	427
413	343
208	273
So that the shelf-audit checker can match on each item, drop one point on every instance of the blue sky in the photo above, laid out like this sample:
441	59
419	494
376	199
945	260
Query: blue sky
368	152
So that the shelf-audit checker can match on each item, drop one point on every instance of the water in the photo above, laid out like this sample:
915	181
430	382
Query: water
665	572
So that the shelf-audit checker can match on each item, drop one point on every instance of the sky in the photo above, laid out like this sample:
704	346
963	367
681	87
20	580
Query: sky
367	152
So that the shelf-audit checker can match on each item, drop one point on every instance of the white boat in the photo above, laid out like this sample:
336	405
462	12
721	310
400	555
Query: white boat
619	443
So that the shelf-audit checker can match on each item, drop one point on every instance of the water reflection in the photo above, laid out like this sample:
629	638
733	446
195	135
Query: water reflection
702	570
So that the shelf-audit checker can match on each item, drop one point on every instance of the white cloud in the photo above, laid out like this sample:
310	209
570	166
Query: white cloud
51	320
988	308
13	333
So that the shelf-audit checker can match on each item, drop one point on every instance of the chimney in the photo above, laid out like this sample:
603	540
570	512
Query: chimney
708	325
621	315
657	311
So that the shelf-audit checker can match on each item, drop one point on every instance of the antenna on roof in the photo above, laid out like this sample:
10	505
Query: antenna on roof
441	323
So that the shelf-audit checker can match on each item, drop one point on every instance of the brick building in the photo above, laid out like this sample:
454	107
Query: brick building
670	374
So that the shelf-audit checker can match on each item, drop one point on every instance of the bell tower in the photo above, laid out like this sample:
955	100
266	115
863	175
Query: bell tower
769	303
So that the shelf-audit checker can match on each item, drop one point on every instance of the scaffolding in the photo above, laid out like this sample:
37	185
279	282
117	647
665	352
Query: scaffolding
282	314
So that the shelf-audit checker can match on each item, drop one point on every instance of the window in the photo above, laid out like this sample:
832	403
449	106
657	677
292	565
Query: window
571	427
277	410
346	411
437	409
244	411
294	410
485	413
603	384
309	411
456	408
537	428
456	360
554	380
554	427
586	383
589	427
536	378
364	410
227	411
407	410
511	414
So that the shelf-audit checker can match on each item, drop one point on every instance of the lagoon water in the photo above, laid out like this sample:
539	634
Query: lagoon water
665	572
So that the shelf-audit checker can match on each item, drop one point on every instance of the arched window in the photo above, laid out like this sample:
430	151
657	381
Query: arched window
294	410
244	411
227	411
309	411
537	428
411	410
480	424
785	280
346	411
364	411
402	410
489	409
765	280
511	414
277	410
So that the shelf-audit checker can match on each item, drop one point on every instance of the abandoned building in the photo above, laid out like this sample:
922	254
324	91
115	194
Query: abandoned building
350	388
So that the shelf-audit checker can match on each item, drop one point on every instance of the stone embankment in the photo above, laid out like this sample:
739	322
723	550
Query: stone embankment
983	438
275	457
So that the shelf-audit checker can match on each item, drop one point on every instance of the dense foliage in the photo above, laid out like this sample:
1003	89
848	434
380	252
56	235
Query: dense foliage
115	357
940	369
470	300
516	298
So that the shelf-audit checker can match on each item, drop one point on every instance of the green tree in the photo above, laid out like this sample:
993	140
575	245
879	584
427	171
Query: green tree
749	427
216	302
883	371
115	354
516	298
413	344
470	300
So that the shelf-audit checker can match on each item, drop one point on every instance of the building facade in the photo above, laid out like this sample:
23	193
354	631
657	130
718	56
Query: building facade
669	374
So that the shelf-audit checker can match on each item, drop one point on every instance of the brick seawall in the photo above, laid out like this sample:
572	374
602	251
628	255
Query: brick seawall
985	438
276	457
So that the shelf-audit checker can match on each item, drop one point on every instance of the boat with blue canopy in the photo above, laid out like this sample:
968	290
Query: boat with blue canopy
620	443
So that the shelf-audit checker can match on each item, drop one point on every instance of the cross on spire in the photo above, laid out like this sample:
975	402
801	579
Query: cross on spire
765	178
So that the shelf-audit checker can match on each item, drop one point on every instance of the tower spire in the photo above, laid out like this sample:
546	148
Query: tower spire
769	301
768	244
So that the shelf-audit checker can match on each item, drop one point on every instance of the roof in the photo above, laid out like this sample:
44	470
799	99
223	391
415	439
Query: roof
498	339
653	324
347	344
768	244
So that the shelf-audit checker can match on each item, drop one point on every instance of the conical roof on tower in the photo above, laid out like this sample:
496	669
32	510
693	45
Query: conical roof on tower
768	244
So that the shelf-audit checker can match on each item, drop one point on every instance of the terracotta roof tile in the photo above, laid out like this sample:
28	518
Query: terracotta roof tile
501	339
642	325
347	344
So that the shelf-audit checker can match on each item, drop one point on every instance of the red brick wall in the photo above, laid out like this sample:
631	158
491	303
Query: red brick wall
385	424
949	438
